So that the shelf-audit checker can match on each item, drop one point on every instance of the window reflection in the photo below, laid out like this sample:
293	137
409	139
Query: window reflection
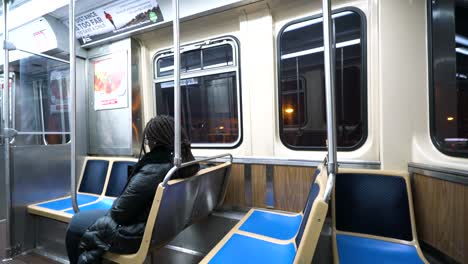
39	100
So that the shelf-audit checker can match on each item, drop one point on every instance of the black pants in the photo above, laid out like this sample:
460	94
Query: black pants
78	225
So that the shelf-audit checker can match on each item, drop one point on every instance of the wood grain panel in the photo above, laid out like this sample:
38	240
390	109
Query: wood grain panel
291	185
258	186
441	211
235	194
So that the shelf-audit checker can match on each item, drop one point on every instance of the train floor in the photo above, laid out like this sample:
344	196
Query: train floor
31	258
191	245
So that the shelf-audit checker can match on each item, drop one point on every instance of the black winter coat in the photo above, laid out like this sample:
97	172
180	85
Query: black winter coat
121	229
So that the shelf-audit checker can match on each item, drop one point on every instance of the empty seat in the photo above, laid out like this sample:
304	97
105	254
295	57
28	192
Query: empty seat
280	225
246	249
373	218
65	203
272	224
270	237
102	179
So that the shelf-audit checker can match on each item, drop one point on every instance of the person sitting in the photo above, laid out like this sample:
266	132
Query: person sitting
120	230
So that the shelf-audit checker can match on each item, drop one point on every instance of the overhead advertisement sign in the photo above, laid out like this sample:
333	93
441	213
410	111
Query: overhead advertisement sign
116	18
110	82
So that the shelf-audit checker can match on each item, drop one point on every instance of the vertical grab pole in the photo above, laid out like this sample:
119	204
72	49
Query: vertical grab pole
177	107
329	55
71	35
6	128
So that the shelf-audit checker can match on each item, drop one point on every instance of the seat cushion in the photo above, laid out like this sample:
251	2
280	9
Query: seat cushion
270	224
244	249
104	204
353	249
66	202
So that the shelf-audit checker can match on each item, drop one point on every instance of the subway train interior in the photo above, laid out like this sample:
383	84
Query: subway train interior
326	131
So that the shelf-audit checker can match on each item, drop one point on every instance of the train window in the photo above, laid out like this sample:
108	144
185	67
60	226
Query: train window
217	56
302	116
448	79
210	92
165	66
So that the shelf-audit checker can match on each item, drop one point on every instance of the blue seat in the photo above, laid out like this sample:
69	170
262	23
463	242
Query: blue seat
105	203
278	225
273	237
245	250
92	193
374	203
66	202
92	182
354	249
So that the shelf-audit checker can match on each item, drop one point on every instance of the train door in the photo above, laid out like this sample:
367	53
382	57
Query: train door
3	181
39	153
36	155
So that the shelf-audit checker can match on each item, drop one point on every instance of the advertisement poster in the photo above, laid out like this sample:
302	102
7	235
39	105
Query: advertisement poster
117	17
59	92
110	82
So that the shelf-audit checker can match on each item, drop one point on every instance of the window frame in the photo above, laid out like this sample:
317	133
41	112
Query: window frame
432	124
364	93
235	67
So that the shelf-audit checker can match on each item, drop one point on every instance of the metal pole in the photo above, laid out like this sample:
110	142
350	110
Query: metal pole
6	120
177	108
329	56
71	35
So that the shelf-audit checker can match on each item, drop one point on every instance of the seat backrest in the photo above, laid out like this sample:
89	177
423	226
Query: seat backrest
315	213
173	205
211	192
374	203
175	211
94	176
118	177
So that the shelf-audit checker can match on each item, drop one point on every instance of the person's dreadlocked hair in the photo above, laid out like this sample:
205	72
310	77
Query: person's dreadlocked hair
159	132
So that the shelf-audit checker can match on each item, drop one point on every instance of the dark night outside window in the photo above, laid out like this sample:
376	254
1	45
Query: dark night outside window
449	82
302	84
210	94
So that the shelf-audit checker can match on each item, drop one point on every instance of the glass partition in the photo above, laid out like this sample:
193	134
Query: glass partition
39	99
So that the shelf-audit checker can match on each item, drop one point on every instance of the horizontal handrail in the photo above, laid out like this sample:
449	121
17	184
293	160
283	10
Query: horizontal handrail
43	55
171	172
42	133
